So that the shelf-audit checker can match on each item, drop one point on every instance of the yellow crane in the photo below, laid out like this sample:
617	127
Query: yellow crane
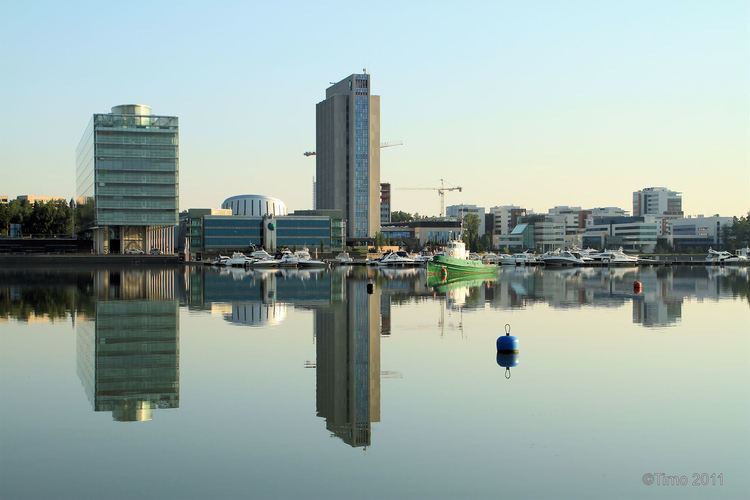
441	191
387	144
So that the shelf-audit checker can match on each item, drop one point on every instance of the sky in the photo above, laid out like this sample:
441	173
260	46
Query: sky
537	104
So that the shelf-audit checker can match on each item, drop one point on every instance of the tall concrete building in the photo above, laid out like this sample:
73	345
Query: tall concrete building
385	203
127	171
347	161
662	203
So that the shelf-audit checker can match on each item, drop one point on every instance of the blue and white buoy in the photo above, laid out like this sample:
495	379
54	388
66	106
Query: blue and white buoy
507	351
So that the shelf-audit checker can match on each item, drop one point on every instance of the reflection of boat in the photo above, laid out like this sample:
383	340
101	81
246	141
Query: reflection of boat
456	282
456	262
723	257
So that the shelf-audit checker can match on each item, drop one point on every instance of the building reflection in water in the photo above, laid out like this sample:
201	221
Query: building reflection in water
128	353
347	369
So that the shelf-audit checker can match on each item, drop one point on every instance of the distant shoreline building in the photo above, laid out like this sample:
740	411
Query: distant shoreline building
255	204
127	170
662	203
347	160
459	211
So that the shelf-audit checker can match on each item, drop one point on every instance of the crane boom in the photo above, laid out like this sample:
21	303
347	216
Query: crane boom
386	144
441	192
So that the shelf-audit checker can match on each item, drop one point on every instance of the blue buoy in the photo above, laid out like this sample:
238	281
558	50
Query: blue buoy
507	351
507	344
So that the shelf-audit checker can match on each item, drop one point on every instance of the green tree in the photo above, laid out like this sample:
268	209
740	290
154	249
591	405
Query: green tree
471	231
399	216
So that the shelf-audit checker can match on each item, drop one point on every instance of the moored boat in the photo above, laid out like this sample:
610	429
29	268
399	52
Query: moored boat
724	257
456	263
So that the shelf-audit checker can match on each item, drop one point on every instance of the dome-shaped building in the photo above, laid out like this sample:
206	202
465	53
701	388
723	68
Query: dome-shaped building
255	204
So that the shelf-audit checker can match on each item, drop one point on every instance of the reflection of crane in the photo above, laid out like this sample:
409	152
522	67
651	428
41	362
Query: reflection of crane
441	191
387	144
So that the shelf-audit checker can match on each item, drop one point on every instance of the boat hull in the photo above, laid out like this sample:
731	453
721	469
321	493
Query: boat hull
453	267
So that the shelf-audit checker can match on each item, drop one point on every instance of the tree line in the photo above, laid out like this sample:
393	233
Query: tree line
50	218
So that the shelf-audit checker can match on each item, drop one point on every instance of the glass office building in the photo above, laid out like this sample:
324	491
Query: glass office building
127	180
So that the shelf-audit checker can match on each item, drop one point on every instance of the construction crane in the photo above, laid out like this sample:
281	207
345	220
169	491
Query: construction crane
387	144
441	191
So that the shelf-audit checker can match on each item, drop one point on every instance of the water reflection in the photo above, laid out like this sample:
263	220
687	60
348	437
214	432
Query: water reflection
128	351
127	322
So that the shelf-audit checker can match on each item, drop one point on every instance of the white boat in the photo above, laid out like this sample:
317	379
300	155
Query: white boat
288	259
724	257
305	260
221	260
744	252
505	259
474	256
490	258
423	258
523	259
238	259
399	258
561	258
343	258
261	255
616	257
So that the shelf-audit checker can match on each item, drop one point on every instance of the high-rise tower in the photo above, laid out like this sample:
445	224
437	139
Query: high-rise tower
347	161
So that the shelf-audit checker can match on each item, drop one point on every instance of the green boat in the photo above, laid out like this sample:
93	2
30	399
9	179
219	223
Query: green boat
456	264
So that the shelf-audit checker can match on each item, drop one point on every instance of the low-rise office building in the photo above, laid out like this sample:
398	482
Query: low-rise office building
214	234
505	218
697	232
635	234
534	232
460	211
420	233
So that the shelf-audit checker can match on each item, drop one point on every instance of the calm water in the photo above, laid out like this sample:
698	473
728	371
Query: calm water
201	383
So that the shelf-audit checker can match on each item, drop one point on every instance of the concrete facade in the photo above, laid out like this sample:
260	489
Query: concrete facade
347	161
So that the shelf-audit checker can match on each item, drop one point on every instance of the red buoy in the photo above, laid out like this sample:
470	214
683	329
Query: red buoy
637	287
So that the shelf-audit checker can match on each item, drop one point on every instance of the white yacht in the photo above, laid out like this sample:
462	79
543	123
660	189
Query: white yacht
399	258
490	258
723	257
525	258
617	258
561	258
474	256
221	260
288	259
261	255
305	260
505	259
423	258
343	258
238	259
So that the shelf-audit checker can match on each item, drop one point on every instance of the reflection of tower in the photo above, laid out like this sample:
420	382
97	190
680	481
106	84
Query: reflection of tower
128	356
348	364
385	315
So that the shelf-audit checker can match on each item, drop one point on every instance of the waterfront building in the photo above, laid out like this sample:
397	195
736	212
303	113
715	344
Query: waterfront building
422	232
127	168
539	232
698	232
194	228
458	212
660	202
505	218
385	203
214	234
574	219
255	204
595	212
347	160
4	199
635	234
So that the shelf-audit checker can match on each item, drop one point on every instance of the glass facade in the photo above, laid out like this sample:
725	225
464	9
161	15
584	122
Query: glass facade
361	156
225	233
128	166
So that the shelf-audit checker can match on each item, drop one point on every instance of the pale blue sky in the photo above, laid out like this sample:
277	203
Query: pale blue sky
532	103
